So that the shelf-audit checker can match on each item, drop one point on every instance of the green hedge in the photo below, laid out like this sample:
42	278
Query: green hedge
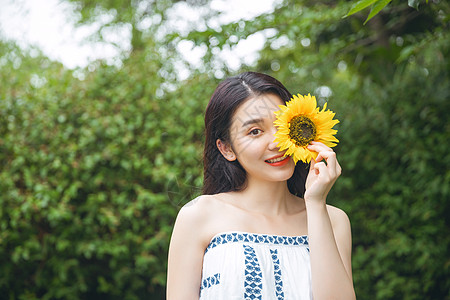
396	183
93	174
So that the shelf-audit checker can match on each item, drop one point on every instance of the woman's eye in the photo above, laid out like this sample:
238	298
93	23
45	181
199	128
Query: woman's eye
255	131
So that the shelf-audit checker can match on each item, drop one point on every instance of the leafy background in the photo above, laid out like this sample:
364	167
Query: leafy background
95	167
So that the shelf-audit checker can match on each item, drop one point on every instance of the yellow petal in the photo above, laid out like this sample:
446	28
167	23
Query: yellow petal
322	119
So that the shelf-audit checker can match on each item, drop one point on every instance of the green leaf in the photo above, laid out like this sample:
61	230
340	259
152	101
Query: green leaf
376	8
406	53
360	6
414	3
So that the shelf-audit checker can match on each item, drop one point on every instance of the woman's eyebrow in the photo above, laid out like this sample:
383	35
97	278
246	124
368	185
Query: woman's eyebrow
253	121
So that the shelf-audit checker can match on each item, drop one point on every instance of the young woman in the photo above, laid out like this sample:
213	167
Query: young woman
262	229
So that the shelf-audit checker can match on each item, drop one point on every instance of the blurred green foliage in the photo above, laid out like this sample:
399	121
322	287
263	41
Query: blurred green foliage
92	176
94	170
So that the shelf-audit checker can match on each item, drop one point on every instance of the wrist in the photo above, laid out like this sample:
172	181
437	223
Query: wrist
311	203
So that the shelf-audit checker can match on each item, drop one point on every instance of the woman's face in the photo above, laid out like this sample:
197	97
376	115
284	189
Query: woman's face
252	135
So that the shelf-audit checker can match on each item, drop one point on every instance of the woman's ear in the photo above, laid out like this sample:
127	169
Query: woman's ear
226	150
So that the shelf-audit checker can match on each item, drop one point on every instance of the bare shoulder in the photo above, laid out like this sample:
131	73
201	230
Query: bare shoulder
188	242
199	206
195	217
195	211
339	218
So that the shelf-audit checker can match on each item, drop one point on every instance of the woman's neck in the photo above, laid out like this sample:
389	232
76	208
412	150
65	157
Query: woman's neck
267	198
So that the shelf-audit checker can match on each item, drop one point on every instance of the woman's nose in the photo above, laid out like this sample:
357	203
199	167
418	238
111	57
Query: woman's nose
273	144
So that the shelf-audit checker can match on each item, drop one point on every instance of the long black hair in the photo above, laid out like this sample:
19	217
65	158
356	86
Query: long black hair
221	175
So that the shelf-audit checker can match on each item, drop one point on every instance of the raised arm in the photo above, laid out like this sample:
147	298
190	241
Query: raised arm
328	230
186	250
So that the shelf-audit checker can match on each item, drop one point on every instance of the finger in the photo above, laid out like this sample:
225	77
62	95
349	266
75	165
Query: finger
318	148
338	168
312	163
312	166
330	158
320	144
321	168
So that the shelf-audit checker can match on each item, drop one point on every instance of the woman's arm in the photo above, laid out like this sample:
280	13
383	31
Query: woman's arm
328	231
187	246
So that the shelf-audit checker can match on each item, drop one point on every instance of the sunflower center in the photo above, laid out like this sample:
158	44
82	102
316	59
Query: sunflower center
302	130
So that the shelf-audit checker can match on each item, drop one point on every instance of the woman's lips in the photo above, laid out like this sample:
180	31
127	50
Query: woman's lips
277	161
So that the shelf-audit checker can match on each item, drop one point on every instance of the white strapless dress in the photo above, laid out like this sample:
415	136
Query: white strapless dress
241	265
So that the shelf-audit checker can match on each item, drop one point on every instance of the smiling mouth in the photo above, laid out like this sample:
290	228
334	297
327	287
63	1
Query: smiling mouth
274	160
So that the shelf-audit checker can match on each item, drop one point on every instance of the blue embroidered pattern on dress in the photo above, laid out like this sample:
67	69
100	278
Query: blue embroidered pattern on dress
244	237
210	281
277	274
253	275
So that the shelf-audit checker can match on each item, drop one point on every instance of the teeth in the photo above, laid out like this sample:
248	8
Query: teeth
276	159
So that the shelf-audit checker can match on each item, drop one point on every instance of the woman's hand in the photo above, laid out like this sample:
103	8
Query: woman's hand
321	176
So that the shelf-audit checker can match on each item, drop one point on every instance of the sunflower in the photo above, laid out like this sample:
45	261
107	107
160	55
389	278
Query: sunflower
300	122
